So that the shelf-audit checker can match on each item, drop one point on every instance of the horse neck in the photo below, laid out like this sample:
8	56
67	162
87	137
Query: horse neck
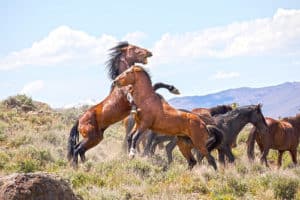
238	122
124	64
142	89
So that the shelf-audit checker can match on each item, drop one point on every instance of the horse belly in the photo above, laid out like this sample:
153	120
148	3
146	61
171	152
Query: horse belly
169	127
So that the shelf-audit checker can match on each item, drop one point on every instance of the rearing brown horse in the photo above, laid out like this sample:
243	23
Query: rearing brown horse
156	114
92	124
283	136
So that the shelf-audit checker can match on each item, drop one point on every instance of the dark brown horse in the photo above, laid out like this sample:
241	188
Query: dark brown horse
92	124
156	114
220	109
154	139
283	136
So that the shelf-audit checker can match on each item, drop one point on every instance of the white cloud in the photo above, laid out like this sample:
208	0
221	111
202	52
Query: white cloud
62	45
225	75
279	34
33	87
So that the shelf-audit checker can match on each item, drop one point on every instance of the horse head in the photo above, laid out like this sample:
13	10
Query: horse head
123	56
258	119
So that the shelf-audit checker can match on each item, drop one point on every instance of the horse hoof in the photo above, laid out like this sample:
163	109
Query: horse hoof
132	153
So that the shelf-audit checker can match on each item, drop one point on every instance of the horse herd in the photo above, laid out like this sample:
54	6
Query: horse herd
200	130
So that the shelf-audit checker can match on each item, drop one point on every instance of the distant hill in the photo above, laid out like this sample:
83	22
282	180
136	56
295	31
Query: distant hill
280	100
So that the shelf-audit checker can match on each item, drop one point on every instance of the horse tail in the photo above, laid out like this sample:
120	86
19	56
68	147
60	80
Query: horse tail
216	137
251	143
73	140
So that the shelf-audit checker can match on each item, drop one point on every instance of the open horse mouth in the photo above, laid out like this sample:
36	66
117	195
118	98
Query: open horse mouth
149	54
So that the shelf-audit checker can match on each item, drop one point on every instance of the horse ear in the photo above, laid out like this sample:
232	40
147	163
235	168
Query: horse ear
260	105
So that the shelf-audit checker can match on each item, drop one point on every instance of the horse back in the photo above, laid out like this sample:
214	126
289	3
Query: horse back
283	135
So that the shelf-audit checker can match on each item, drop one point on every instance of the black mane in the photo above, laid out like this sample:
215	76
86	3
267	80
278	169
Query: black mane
114	57
220	109
239	110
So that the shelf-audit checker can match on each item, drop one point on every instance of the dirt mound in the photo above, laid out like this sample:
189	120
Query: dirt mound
35	186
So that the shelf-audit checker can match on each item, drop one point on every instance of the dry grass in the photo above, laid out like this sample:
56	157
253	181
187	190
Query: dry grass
36	141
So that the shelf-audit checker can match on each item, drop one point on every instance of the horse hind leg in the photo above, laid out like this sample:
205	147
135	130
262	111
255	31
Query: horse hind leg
185	148
85	145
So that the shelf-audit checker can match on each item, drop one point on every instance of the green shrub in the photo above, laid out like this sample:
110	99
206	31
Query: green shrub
28	165
20	101
81	179
285	188
4	159
237	186
20	140
2	136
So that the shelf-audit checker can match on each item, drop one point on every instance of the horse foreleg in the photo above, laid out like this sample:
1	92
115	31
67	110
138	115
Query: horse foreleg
264	156
130	136
147	150
185	149
169	149
279	158
229	154
221	157
133	145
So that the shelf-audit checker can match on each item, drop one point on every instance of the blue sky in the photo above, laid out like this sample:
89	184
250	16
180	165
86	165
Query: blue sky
55	51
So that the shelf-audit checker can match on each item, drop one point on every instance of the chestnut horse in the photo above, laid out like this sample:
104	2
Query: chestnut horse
283	136
92	124
129	121
154	139
156	114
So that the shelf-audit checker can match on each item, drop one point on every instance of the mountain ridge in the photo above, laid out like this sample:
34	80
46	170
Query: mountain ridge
278	101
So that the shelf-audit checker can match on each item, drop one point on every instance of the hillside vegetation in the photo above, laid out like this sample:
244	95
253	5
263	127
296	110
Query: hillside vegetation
33	137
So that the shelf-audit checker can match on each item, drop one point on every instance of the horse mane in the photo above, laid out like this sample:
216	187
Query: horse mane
220	109
146	72
114	58
239	110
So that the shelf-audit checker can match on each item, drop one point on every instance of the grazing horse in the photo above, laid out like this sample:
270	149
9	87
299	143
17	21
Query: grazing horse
129	121
154	139
156	114
92	124
283	136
